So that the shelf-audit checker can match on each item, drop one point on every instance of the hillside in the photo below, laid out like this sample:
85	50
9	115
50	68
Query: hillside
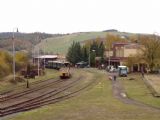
61	44
52	43
23	41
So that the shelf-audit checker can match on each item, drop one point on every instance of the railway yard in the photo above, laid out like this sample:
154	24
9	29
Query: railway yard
40	93
88	94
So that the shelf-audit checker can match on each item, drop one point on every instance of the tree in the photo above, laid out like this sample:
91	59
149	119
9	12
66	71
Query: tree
21	60
5	64
69	55
94	46
111	38
131	60
74	54
92	58
84	54
101	50
151	49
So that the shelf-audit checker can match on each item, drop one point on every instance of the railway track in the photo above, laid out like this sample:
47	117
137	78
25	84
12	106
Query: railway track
32	102
52	96
4	92
27	91
52	100
51	91
35	93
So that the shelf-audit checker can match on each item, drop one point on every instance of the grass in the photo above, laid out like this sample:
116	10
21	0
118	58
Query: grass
6	85
136	89
96	103
154	81
61	44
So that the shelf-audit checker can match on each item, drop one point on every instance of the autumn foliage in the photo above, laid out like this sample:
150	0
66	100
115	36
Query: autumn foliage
6	62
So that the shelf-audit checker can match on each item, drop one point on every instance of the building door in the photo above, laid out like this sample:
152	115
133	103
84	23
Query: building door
135	68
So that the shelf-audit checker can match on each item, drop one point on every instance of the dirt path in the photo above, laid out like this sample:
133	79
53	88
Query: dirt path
120	94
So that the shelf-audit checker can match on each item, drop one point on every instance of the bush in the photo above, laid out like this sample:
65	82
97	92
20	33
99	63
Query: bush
17	80
7	62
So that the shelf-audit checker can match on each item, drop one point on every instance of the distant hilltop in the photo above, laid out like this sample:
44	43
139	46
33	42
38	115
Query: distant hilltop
111	30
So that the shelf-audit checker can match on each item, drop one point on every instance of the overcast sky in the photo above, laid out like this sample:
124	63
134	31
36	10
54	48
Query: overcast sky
67	16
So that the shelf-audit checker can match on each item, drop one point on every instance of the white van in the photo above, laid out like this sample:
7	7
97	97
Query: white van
122	71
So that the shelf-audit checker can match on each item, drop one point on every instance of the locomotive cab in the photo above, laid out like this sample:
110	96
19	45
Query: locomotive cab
65	73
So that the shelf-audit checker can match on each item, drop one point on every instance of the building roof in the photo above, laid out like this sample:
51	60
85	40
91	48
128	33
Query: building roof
132	46
64	62
120	43
47	56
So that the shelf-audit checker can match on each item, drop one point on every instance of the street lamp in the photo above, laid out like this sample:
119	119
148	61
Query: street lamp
44	60
109	62
33	54
13	45
89	58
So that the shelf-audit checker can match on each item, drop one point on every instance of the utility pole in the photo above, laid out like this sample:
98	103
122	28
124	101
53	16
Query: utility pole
13	45
38	61
33	55
38	56
108	53
44	55
109	57
89	57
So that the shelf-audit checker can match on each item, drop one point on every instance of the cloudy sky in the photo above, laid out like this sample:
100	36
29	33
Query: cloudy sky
67	16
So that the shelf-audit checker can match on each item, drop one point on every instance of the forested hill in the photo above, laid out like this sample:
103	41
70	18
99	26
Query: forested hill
23	41
25	36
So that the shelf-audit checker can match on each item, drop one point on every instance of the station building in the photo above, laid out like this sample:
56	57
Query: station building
120	52
44	58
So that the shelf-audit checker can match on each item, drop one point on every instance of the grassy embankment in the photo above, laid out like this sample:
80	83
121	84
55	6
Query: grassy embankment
61	44
136	89
6	84
154	82
96	103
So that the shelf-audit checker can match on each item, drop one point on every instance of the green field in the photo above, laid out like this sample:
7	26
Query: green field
60	44
95	103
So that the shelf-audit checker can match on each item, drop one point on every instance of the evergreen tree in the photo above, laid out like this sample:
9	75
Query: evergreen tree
74	54
70	53
94	46
92	58
84	54
77	52
101	50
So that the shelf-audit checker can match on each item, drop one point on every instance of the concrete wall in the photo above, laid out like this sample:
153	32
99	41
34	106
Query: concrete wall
129	52
119	52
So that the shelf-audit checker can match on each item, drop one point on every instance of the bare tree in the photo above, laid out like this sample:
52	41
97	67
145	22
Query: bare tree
150	52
